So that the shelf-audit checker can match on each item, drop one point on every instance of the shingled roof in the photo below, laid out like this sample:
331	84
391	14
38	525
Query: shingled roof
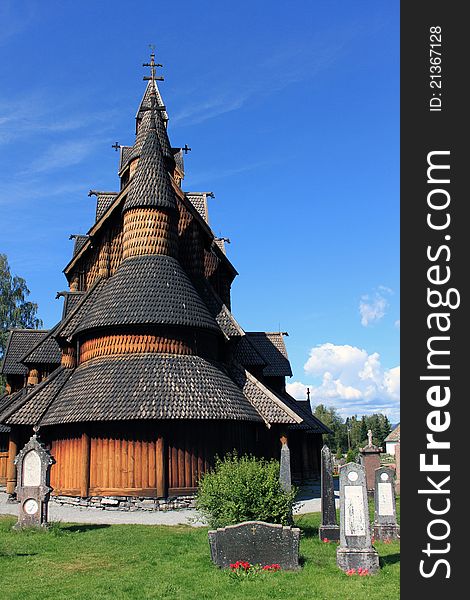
219	311
31	405
150	289
394	435
151	185
80	241
149	386
71	299
151	119
45	351
103	202
272	348
146	100
266	402
19	342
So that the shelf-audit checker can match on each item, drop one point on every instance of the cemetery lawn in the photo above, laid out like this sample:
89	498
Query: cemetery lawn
98	562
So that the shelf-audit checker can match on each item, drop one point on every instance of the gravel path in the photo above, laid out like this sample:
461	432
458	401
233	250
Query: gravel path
309	502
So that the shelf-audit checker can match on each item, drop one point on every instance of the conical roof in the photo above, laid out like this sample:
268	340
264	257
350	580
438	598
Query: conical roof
148	290
144	117
151	184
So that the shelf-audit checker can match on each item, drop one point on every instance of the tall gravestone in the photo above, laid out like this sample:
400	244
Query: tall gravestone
284	473
385	516
33	465
370	459
355	550
329	527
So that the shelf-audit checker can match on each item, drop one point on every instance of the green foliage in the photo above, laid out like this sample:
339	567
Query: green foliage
15	310
351	456
352	433
244	489
339	453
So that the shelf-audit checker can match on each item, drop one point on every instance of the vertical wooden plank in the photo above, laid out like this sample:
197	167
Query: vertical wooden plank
187	460
93	462
180	464
145	463
99	466
138	464
174	467
85	465
130	463
117	463
194	463
124	464
160	467
152	463
104	463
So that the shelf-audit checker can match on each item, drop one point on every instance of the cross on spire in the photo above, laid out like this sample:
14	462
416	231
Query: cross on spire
153	67
186	149
116	146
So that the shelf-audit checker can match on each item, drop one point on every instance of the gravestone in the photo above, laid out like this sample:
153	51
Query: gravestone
370	459
355	550
385	517
284	473
329	527
256	542
33	465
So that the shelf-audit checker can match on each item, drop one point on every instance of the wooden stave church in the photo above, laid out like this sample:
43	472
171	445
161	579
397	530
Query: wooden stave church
147	326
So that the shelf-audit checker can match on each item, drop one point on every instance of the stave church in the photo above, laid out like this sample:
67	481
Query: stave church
148	376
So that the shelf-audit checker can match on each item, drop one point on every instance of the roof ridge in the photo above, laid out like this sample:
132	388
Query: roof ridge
270	393
41	341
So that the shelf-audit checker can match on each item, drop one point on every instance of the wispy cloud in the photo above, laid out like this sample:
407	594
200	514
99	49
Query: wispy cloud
266	77
373	307
61	155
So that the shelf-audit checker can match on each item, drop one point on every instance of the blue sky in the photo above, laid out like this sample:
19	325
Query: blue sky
292	112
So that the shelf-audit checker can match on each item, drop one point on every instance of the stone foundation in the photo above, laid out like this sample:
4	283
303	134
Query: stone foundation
127	503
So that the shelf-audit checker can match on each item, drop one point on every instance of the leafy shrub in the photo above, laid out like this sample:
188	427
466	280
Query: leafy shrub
244	489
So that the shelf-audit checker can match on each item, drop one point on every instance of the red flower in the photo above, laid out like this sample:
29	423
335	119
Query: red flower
326	541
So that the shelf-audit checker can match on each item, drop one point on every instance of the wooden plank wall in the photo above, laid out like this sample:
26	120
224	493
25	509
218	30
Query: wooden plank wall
65	473
3	467
121	465
128	463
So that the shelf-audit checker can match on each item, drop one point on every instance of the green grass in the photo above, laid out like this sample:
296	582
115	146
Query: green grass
117	562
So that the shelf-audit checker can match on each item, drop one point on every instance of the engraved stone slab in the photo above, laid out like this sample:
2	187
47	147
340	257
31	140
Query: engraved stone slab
385	517
284	473
329	527
257	543
32	469
33	464
356	548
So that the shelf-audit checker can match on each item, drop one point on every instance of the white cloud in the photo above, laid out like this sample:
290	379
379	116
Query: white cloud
351	380
372	308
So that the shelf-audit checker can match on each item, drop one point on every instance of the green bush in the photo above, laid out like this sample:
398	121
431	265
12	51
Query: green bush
244	489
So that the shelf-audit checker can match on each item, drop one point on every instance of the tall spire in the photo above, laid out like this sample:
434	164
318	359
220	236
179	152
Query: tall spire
152	105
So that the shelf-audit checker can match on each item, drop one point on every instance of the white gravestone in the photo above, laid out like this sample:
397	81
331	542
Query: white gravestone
355	550
385	517
33	464
31	469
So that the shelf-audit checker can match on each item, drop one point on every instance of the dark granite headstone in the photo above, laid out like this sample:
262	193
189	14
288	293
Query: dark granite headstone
385	517
329	527
355	548
284	473
33	465
256	542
